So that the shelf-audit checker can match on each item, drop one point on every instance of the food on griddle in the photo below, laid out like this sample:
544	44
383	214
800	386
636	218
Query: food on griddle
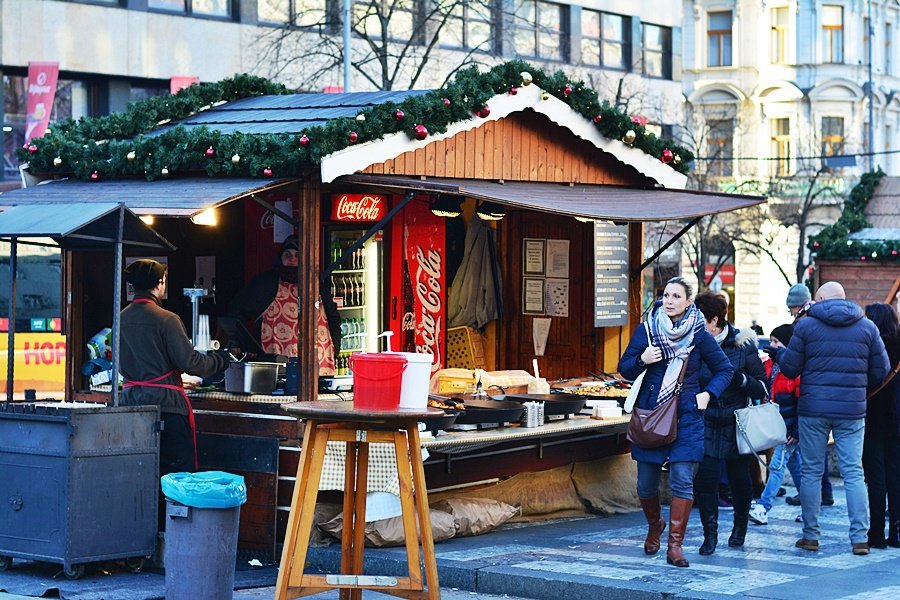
435	403
602	390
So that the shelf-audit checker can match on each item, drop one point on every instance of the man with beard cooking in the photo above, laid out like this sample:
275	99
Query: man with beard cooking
270	301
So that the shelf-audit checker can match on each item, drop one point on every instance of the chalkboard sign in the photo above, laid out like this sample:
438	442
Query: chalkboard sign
610	274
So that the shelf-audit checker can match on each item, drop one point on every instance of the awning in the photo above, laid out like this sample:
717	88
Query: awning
164	197
615	203
79	226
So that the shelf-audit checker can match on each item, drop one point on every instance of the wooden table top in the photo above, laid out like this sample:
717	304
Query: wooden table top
345	412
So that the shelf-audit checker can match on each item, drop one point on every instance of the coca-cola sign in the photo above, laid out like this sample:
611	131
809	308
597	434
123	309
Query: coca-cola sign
358	207
426	264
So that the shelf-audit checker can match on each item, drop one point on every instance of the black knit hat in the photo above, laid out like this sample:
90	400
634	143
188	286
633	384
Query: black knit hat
290	243
144	274
783	333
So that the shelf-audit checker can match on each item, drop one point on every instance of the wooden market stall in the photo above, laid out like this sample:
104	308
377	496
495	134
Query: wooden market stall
564	178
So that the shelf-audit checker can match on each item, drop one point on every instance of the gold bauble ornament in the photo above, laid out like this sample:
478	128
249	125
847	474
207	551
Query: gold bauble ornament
164	172
677	159
544	95
629	136
131	155
236	159
361	117
526	78
57	161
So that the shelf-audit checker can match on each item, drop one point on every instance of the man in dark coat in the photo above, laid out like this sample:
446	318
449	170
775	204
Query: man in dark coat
155	352
837	353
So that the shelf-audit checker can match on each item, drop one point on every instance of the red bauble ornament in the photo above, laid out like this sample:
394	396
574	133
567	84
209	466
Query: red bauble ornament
863	258
513	90
667	156
304	141
32	148
210	152
399	115
421	132
95	176
484	111
446	101
598	118
267	172
816	244
567	90
894	253
353	137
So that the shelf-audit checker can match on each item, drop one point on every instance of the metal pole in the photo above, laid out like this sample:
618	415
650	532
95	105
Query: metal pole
11	347
117	302
346	45
871	32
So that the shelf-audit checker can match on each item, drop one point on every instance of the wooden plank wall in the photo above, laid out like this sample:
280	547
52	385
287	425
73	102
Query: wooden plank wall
522	147
864	282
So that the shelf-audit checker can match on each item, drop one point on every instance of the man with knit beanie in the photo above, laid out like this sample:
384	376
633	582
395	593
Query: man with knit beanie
784	392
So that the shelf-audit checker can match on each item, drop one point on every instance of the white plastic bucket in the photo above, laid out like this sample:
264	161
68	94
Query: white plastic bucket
416	377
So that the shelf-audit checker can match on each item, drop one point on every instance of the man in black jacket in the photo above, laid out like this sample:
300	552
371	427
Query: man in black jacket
155	352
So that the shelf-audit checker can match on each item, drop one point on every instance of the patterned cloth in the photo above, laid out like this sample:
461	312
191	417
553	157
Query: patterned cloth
278	331
382	475
324	343
676	342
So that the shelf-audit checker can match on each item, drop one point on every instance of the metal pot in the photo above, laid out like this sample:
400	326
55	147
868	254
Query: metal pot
251	377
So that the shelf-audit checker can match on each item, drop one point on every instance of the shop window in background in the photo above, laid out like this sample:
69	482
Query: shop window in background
657	51
832	136
720	147
299	13
469	25
781	147
833	34
780	17
540	30
70	102
37	287
888	50
401	16
605	40
718	37
206	8
139	93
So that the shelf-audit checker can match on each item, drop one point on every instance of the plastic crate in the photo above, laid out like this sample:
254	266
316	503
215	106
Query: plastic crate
465	349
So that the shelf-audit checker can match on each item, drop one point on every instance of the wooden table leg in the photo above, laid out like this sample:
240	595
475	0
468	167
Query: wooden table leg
350	467
421	496
404	472
359	523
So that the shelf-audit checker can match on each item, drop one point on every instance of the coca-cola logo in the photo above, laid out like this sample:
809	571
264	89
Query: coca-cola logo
429	290
358	207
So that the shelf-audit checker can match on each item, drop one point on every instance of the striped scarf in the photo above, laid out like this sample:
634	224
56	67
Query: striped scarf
676	342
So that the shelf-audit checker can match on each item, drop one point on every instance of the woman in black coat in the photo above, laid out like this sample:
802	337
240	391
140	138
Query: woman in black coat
881	445
720	441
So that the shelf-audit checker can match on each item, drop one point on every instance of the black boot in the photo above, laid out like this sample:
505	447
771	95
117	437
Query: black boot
739	531
893	538
708	505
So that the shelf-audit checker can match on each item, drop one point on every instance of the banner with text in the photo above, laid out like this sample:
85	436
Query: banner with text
42	78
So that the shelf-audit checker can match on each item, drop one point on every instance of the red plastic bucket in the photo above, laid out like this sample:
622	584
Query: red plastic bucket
376	380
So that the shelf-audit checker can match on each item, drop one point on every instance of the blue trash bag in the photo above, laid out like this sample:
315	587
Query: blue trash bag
207	489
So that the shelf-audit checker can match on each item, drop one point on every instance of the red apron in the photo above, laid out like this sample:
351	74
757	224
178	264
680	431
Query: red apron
154	383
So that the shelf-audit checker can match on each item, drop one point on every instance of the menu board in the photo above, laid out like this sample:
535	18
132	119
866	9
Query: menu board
610	274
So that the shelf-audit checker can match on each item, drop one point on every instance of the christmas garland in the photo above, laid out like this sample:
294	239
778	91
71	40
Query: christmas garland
116	146
834	243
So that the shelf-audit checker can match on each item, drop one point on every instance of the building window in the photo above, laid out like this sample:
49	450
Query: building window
540	30
205	8
718	35
401	17
657	51
720	147
605	40
888	39
469	25
781	147
832	136
833	33
298	13
779	35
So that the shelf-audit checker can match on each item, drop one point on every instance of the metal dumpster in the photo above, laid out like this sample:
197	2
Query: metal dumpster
78	483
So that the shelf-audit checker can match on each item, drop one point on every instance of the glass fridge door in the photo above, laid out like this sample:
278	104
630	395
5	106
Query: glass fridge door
356	287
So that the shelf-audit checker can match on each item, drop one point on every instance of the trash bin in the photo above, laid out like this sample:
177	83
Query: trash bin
202	515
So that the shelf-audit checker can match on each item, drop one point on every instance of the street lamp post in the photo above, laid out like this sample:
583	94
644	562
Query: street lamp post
870	92
347	46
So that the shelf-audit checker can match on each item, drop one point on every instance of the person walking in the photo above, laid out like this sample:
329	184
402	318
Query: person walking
676	328
837	353
784	392
881	447
720	441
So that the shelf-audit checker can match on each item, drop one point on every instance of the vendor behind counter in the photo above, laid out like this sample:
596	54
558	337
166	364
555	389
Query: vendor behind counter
265	310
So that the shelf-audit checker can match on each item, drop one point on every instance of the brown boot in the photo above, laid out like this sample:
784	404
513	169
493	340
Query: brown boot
679	513
656	524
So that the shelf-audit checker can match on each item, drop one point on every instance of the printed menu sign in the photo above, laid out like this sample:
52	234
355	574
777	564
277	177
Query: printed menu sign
610	274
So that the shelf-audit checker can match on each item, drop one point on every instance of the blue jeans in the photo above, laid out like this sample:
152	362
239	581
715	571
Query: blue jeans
783	457
681	479
848	443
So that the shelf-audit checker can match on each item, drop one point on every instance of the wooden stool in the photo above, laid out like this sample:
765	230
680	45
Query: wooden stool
338	421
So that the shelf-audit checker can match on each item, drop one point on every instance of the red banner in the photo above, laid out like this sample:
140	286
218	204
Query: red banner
358	207
179	82
725	273
42	78
425	281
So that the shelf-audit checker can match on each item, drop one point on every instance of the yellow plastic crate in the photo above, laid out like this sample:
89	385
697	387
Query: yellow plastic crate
465	348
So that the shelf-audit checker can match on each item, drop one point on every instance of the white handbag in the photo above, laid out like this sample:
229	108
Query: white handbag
759	427
636	384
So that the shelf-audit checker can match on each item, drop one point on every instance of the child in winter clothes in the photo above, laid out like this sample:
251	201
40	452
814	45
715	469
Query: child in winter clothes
784	392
